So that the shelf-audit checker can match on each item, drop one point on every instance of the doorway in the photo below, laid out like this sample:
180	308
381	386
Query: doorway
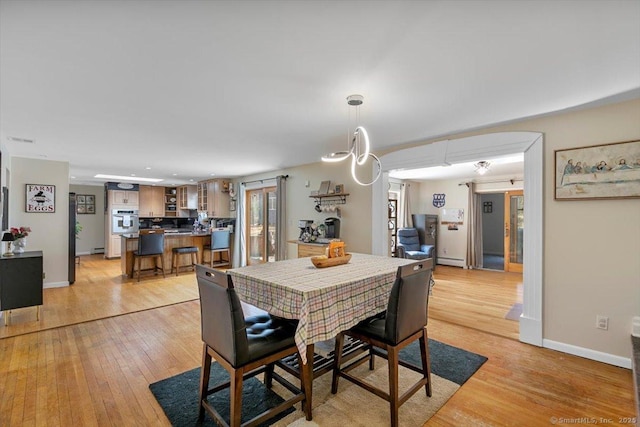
492	231
260	225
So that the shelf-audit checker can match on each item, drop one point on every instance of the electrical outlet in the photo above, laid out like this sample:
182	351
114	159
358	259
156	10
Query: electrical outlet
44	275
602	322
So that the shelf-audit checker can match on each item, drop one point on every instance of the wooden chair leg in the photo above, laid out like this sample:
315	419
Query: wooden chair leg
235	416
337	362
204	380
426	363
139	265
162	264
392	353
268	375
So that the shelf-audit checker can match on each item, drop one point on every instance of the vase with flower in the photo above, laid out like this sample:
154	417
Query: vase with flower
19	238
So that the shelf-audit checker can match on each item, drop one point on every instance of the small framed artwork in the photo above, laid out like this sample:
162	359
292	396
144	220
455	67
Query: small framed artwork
487	207
324	188
339	189
607	171
40	198
86	204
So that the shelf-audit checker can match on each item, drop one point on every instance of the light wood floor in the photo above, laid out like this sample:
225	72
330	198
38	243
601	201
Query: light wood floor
97	372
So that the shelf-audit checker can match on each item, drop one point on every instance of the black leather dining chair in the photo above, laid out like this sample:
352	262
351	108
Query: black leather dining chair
403	322
150	245
245	347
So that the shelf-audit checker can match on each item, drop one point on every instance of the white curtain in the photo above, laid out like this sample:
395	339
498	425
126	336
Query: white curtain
239	257
474	229
281	217
405	207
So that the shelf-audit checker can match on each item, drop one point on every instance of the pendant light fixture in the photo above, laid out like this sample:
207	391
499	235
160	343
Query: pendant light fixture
482	167
359	146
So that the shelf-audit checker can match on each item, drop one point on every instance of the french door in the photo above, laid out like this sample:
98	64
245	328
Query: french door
513	231
260	223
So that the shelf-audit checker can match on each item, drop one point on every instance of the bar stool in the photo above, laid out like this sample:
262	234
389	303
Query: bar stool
175	257
150	245
219	245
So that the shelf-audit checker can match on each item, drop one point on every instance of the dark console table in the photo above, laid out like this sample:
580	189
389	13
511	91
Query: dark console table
20	282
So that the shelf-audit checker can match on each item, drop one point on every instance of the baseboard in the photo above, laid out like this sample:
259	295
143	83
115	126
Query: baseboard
83	253
55	285
453	262
611	359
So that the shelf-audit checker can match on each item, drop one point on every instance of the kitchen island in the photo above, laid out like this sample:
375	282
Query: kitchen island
129	244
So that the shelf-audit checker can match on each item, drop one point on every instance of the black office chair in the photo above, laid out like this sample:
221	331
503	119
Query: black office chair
220	245
244	347
150	245
404	322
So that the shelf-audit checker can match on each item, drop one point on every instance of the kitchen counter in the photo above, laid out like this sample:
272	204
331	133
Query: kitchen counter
129	244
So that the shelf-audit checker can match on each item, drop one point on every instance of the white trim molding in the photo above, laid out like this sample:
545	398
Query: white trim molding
587	353
472	149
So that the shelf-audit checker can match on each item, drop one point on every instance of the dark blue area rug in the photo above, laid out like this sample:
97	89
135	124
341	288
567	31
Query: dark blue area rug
178	395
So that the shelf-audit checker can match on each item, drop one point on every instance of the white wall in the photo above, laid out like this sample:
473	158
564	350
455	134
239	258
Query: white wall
452	244
92	235
49	231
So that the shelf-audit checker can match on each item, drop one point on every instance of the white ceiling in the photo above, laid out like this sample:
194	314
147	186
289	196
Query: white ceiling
194	88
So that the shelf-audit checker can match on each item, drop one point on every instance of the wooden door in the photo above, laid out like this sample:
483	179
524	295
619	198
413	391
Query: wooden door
260	214
513	231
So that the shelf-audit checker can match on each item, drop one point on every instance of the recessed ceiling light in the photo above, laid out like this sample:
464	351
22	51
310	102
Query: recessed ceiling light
191	180
73	177
175	174
127	178
133	174
148	168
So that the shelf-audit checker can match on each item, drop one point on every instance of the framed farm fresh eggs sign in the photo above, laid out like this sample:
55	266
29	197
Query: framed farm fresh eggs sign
40	198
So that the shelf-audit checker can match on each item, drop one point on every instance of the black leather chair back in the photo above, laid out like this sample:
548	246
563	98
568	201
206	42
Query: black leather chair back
408	301
151	242
223	325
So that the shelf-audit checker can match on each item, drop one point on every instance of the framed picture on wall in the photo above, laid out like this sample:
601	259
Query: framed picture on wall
86	204
40	198
607	171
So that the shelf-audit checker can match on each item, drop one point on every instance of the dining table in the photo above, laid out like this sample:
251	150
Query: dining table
325	301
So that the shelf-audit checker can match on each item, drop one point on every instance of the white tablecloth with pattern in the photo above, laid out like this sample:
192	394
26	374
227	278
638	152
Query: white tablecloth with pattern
325	300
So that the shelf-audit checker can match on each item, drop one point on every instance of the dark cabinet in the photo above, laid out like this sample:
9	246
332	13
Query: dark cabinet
427	226
20	281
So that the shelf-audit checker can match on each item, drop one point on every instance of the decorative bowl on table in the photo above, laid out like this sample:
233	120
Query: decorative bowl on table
322	261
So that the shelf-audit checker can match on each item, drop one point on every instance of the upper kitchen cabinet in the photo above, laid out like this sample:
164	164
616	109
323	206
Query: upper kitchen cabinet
170	202
124	198
213	198
188	197
151	201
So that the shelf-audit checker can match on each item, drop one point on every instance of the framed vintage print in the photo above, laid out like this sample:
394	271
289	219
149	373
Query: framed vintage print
86	204
40	198
488	207
339	189
608	171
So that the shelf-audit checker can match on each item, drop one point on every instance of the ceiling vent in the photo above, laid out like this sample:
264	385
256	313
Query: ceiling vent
22	140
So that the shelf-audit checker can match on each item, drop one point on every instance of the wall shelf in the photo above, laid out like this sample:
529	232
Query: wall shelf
330	199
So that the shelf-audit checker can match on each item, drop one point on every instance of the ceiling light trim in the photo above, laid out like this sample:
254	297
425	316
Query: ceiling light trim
127	178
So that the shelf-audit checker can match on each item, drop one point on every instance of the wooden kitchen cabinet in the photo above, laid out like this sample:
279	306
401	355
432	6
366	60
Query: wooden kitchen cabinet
124	197
213	198
310	249
217	199
151	201
188	197
170	201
